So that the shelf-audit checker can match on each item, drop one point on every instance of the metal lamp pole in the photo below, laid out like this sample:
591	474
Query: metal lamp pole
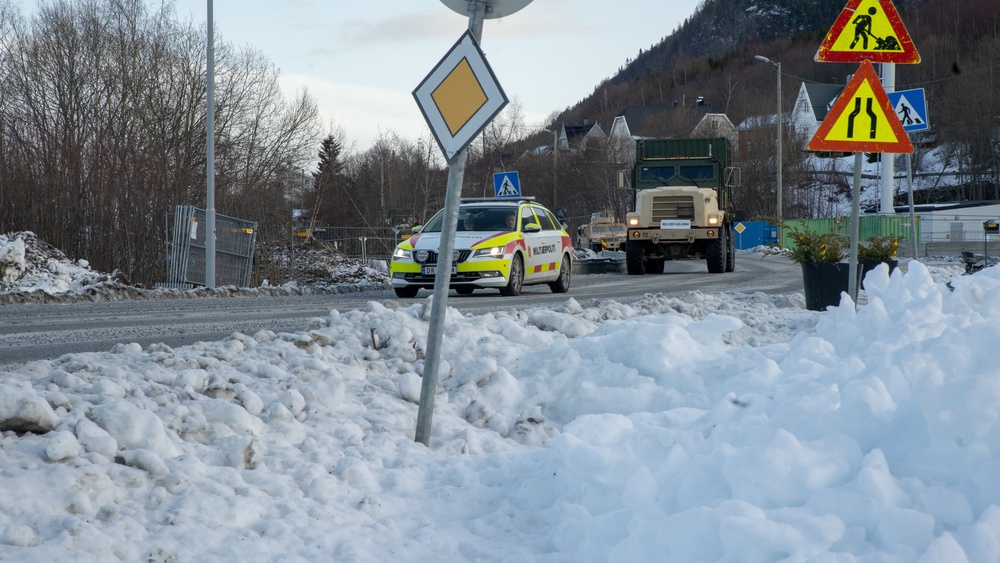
777	67
555	162
210	154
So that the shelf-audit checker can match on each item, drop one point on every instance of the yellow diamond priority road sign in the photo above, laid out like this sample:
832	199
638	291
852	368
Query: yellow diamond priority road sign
460	96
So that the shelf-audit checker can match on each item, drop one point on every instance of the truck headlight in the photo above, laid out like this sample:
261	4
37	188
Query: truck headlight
633	221
400	254
713	220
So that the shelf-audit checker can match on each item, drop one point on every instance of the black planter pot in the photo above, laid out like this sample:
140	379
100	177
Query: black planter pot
869	265
823	283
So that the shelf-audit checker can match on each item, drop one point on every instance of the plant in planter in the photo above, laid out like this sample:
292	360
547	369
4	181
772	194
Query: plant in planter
877	251
824	276
811	246
882	249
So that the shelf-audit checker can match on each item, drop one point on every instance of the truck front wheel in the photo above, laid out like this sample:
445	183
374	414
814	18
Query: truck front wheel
731	254
715	254
633	258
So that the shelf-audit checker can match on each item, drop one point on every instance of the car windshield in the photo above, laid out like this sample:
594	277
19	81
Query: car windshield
476	218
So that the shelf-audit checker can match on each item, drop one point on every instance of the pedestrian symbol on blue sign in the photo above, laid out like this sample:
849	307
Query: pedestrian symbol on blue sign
506	184
911	108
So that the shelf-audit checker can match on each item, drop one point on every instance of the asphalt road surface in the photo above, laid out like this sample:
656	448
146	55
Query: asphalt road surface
44	331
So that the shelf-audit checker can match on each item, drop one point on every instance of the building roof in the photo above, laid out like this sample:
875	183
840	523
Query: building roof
821	97
642	120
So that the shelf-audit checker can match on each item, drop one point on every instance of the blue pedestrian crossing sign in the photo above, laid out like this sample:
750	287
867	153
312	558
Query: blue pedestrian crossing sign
506	184
911	108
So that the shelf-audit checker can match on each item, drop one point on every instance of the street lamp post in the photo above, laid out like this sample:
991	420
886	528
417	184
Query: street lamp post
777	67
555	161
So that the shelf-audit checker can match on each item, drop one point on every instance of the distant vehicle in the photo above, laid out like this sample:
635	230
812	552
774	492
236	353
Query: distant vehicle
500	244
683	205
601	233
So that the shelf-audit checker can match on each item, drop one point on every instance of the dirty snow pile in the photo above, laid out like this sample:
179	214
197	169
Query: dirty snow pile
725	427
34	271
29	265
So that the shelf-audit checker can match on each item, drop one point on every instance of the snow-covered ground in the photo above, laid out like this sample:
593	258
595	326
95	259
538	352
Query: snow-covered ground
702	428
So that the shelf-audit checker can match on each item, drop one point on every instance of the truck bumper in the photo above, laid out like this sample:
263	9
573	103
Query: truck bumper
666	236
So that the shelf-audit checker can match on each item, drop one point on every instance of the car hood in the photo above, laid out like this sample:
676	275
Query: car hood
463	240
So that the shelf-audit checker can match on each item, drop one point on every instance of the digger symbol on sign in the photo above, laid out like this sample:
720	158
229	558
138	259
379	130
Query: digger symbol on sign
863	30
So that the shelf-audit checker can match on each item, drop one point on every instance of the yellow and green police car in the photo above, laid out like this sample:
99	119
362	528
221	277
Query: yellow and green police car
502	244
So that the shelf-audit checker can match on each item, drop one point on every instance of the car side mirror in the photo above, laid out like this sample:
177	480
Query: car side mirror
532	228
416	229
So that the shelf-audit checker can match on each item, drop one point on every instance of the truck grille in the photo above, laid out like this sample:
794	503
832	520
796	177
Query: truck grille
673	207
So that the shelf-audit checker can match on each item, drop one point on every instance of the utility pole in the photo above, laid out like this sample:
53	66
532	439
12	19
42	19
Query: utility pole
210	156
779	211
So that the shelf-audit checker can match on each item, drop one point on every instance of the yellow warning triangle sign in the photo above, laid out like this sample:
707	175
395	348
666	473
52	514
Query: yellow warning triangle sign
868	30
862	119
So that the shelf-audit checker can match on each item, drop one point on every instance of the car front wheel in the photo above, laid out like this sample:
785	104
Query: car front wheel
561	285
516	279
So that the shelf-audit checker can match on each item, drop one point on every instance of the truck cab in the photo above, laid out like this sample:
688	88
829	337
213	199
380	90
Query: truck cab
683	205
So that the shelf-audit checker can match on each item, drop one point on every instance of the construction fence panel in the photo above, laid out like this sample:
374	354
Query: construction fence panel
235	240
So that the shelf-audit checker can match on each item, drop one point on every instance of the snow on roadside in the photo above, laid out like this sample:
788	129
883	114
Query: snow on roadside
32	271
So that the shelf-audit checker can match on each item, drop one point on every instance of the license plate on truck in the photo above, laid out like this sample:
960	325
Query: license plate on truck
675	224
431	270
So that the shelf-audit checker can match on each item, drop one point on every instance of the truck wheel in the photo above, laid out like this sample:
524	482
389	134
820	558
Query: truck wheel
715	254
516	279
731	254
561	285
633	258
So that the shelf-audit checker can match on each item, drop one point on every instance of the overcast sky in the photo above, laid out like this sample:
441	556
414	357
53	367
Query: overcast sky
362	60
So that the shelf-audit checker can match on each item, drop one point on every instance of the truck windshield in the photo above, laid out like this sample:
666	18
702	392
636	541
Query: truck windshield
698	172
656	174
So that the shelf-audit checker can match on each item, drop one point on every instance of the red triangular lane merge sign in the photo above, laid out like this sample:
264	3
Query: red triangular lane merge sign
862	119
868	30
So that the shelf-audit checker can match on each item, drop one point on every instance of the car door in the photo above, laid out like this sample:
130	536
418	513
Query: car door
544	245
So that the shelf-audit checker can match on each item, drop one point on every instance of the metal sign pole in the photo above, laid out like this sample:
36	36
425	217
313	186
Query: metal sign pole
852	271
442	276
909	191
888	164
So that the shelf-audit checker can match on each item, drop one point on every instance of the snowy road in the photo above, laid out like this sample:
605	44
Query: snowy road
40	331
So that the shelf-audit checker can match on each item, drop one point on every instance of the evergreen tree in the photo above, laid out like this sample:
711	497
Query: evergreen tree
326	177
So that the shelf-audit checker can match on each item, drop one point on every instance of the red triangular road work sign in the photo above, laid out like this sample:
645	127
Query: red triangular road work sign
868	30
862	119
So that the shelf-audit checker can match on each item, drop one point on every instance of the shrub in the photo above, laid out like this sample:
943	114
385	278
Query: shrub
811	246
879	248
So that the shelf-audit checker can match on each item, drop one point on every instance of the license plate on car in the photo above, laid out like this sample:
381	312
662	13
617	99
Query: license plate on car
431	270
675	224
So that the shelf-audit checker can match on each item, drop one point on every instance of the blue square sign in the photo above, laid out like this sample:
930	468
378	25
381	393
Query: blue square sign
506	184
911	108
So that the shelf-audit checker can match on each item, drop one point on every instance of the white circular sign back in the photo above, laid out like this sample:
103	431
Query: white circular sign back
501	8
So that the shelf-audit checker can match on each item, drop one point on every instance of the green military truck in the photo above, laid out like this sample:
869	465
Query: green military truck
683	205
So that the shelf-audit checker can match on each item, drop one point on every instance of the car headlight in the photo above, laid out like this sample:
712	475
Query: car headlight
491	251
400	254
